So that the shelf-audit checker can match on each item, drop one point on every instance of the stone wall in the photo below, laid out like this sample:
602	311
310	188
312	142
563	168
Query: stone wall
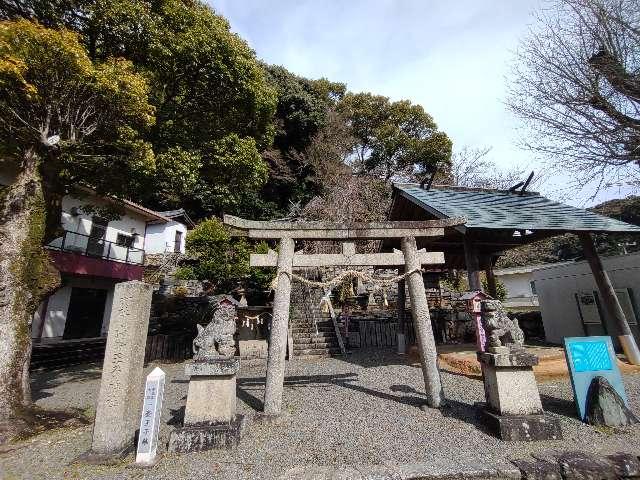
178	307
181	288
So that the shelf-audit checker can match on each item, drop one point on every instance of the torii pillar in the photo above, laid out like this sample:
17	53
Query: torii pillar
279	329
422	323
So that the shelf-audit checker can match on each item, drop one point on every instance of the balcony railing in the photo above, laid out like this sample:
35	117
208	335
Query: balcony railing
97	248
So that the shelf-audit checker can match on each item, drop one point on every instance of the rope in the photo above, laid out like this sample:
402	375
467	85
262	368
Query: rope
337	280
249	321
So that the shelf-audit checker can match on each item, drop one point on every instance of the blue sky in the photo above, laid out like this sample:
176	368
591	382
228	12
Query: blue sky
452	57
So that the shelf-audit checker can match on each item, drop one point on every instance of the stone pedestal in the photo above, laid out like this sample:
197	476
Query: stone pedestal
513	410
210	419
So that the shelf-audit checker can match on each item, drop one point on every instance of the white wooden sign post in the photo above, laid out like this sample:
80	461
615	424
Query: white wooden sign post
150	418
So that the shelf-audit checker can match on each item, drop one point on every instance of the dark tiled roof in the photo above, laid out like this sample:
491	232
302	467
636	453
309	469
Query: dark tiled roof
179	213
499	209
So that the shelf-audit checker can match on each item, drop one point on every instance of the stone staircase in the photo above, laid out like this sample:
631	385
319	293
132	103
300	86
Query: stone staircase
312	329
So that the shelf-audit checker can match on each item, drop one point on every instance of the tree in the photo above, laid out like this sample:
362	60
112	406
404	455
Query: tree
343	195
209	92
302	111
501	288
394	139
302	107
470	168
63	120
576	87
221	259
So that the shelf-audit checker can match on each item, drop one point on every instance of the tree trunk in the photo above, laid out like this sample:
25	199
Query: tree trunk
27	276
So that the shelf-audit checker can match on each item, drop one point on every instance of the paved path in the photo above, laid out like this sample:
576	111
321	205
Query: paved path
358	411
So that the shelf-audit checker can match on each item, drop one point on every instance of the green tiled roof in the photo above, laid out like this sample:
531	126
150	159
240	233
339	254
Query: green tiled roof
498	209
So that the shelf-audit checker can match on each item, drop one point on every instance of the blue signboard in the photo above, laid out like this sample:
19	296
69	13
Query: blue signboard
589	357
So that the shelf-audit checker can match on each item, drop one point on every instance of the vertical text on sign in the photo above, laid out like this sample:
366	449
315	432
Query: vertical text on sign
150	418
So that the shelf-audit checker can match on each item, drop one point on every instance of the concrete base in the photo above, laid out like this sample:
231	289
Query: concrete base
523	428
200	437
214	367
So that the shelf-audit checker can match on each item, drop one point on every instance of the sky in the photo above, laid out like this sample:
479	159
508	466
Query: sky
451	57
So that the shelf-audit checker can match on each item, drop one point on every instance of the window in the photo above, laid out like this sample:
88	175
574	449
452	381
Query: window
125	240
177	245
98	227
532	285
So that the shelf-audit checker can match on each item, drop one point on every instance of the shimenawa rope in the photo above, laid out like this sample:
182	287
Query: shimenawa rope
337	280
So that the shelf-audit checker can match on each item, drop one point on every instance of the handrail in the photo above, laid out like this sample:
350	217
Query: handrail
334	319
83	244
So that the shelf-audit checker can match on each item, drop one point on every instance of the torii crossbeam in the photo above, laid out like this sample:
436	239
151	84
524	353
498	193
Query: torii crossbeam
286	259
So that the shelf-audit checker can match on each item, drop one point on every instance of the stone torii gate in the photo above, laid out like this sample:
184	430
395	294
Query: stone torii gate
287	259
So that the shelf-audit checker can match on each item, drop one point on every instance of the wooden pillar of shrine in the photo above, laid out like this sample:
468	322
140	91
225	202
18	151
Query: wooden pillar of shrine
610	299
279	329
422	324
472	264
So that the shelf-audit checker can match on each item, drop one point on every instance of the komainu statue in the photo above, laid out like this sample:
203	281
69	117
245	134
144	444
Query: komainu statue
216	339
499	328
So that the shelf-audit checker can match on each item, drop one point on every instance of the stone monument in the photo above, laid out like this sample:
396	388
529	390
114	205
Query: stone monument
210	419
122	381
513	409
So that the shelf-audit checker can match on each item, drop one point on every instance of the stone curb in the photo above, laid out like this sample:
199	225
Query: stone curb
556	466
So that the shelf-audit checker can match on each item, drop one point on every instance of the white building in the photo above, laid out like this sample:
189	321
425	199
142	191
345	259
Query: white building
94	254
520	286
104	242
570	303
519	282
164	237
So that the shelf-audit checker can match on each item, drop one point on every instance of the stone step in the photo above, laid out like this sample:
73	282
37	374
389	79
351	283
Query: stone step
314	346
305	322
312	333
310	318
301	324
316	351
312	328
311	324
313	337
311	357
301	340
295	330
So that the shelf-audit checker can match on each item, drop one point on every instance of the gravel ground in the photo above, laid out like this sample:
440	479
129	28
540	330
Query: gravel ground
357	410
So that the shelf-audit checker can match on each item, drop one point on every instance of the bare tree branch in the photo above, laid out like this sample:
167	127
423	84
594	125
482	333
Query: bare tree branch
575	84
